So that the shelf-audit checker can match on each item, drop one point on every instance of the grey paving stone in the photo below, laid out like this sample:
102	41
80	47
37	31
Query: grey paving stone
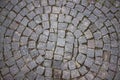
61	17
70	4
41	46
25	69
91	44
51	2
54	17
45	17
48	72
9	6
30	7
83	70
10	61
49	55
61	33
84	2
34	53
104	31
31	15
84	24
56	9
68	47
87	12
68	56
32	24
113	59
4	71
98	60
39	77
54	24
71	65
14	70
88	62
14	2
83	49
39	10
89	75
57	74
20	63
53	37
88	34
75	21
50	45
65	10
62	26
43	38
37	19
82	39
40	70
47	63
58	57
25	21
32	64
59	50
99	43
99	52
73	12
47	9
79	8
77	33
24	50
70	39
61	42
80	58
39	59
74	73
90	53
92	18
66	74
95	68
31	75
68	19
57	64
44	2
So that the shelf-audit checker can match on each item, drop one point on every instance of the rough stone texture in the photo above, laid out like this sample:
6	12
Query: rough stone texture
59	39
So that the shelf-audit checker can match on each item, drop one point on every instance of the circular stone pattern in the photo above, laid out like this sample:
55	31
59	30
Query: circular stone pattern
59	40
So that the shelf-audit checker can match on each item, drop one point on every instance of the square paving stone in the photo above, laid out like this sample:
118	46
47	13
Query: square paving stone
49	55
61	42
47	63
43	38
59	50
53	37
41	46
20	63
51	2
62	26
32	64
40	70
66	74
14	69
54	24
71	65
10	61
53	17
57	64
68	47
56	9
4	70
58	57
68	18
47	9
57	74
90	53
61	33
95	68
61	18
88	34
88	62
83	70
80	58
44	2
99	52
74	73
31	15
44	17
39	59
50	45
48	72
46	25
65	10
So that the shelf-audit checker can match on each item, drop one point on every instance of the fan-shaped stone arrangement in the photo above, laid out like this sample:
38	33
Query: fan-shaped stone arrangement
59	40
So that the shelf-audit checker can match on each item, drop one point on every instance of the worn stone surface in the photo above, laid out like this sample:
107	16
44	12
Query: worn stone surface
59	40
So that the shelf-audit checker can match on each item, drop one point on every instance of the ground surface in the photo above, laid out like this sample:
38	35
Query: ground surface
59	40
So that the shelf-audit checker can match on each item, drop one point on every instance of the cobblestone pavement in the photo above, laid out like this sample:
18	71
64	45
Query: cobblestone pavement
59	40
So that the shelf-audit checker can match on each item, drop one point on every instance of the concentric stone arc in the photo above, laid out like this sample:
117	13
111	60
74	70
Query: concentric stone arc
59	40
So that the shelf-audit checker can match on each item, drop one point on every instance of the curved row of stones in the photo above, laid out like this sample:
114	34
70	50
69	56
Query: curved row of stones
55	40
